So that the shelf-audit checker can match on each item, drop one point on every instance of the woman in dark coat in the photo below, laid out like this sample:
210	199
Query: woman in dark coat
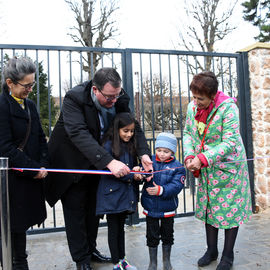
17	114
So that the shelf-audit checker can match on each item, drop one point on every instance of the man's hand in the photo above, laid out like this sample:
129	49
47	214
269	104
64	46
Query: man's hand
118	168
147	165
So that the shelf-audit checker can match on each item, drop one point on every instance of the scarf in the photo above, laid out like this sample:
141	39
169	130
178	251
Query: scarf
202	115
19	100
107	114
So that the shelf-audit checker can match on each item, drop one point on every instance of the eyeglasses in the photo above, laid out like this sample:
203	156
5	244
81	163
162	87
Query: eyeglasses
111	98
26	86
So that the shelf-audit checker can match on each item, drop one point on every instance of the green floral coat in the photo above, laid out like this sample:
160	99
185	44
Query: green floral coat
223	193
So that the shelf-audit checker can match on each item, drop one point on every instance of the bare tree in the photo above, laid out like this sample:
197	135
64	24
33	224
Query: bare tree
162	105
95	24
209	22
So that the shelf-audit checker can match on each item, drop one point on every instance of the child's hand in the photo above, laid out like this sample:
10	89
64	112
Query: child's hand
153	190
137	177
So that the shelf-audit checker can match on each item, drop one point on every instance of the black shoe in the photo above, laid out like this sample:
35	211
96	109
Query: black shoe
225	263
83	266
207	258
20	265
98	257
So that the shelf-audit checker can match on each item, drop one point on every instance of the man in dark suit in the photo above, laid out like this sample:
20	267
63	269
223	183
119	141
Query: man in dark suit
75	143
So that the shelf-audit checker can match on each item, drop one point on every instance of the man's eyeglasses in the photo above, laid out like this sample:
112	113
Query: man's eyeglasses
111	98
26	86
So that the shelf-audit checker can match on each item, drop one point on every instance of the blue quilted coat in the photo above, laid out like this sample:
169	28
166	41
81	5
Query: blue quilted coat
172	182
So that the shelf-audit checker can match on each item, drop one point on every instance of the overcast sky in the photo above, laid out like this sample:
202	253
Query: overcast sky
142	24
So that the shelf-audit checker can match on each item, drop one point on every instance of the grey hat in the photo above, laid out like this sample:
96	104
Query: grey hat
166	140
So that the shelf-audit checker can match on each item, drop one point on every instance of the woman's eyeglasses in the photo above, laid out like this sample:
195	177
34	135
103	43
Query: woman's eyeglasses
26	86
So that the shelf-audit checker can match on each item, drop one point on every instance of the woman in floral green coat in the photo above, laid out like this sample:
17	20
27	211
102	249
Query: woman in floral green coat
214	153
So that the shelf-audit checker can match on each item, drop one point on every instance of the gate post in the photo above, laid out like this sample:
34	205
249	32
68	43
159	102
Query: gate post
245	115
127	76
5	217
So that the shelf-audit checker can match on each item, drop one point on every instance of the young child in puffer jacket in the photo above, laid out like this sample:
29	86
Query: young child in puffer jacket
160	199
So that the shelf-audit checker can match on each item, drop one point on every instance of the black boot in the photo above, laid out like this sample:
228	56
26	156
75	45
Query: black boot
19	257
84	266
153	258
166	256
20	266
207	258
225	263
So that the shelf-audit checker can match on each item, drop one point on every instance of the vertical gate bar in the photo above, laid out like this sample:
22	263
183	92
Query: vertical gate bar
213	64
196	64
102	59
92	65
70	70
127	77
222	74
2	66
181	128
161	92
38	86
81	67
5	215
245	115
142	105
230	76
152	98
112	60
171	100
187	64
60	79
49	92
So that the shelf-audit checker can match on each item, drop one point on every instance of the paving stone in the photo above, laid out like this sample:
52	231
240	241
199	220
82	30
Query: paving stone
50	251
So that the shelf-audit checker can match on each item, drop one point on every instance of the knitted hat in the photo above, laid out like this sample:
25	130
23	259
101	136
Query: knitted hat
166	140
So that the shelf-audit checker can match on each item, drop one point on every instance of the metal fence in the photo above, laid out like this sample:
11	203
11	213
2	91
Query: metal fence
157	82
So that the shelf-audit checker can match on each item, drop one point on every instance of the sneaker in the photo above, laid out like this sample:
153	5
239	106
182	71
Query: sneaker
127	266
118	267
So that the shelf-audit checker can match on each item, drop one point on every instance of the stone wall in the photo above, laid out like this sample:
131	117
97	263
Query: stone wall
259	75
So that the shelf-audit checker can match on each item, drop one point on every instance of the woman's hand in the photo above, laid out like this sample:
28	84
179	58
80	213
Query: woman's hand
195	164
41	174
188	163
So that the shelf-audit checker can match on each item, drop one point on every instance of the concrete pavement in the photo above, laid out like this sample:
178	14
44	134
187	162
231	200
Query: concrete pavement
252	249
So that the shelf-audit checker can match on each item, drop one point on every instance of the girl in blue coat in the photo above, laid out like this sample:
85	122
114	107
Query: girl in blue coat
118	197
160	199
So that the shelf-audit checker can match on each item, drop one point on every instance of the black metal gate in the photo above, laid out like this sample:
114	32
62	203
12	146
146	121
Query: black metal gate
157	82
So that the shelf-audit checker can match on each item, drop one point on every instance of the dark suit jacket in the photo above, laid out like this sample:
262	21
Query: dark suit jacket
27	201
75	142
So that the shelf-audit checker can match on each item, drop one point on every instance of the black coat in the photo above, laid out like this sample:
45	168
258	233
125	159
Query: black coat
75	142
27	201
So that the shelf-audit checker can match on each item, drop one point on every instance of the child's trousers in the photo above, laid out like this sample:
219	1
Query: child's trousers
159	228
116	236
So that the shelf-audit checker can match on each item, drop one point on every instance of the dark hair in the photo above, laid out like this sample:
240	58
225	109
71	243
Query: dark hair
121	120
205	84
16	69
106	75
